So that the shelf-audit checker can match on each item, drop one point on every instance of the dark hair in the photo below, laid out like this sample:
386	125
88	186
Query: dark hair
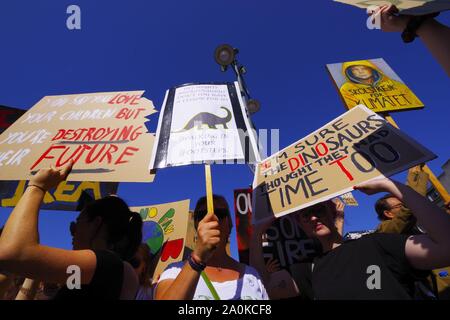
123	226
143	254
381	205
221	214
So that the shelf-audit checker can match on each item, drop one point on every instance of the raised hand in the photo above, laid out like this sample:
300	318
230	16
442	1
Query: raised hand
208	237
49	178
273	265
390	21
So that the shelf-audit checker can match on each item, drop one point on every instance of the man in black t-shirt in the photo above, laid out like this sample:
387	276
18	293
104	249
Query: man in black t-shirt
376	266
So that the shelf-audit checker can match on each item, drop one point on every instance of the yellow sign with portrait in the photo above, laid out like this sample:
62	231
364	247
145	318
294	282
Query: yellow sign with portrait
374	84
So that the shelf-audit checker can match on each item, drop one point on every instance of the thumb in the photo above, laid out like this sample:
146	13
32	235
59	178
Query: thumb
210	216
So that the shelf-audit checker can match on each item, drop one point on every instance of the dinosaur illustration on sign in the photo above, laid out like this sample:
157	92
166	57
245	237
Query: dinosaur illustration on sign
207	118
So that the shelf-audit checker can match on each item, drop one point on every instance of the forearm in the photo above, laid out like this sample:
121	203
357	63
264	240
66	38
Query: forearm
436	38
183	287
28	290
428	215
21	229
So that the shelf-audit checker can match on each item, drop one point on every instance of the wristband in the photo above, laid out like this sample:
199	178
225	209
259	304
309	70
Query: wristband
34	185
199	267
410	32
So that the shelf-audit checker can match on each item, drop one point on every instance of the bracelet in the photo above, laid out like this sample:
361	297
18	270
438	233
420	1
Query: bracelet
410	32
34	185
199	267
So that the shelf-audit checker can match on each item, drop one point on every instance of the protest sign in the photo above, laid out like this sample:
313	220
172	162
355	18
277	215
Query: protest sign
283	240
104	133
8	115
243	218
164	230
407	7
203	123
286	242
349	199
374	84
65	197
356	147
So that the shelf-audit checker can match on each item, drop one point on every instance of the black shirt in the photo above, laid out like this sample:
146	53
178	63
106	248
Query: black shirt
106	284
343	272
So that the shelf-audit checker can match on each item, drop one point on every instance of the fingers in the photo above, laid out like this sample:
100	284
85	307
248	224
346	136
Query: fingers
210	216
210	225
65	170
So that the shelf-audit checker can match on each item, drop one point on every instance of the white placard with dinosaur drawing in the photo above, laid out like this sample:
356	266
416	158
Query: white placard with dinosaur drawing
204	123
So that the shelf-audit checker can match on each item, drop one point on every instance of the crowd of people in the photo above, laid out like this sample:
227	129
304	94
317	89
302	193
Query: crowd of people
409	248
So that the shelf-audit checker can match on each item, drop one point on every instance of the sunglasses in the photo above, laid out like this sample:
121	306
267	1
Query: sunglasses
221	213
318	212
73	225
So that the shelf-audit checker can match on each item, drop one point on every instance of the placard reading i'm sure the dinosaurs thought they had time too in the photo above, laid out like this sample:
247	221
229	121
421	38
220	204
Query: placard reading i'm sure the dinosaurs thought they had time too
204	123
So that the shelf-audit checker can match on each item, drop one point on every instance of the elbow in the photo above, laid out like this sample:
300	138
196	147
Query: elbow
11	255
8	255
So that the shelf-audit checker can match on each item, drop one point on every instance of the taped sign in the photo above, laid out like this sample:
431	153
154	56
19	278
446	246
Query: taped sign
356	147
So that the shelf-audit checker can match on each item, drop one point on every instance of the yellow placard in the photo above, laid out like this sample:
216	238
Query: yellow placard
374	84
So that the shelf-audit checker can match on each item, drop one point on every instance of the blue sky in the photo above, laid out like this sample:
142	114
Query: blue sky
154	45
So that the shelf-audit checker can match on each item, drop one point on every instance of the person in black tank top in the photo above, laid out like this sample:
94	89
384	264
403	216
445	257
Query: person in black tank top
105	235
376	266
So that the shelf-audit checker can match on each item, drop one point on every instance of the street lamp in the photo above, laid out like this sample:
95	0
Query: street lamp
225	55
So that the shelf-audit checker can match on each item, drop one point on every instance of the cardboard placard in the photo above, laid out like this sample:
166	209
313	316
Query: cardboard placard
349	199
203	123
356	147
164	230
104	133
374	84
408	7
284	240
243	218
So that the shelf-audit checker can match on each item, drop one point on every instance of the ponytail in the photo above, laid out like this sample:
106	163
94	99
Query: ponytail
124	227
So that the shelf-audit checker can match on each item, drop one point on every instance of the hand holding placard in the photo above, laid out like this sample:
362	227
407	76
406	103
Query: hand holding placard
208	237
49	178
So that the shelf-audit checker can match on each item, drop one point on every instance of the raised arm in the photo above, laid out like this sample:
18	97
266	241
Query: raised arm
433	34
184	285
20	251
429	251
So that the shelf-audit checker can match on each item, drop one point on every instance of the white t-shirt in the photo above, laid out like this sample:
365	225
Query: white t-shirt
248	287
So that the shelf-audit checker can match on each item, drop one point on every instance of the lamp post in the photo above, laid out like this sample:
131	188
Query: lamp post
225	56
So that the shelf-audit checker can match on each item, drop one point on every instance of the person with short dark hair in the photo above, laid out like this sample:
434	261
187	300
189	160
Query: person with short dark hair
230	279
105	235
395	217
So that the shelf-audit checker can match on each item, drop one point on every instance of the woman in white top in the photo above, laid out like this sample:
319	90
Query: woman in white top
230	279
